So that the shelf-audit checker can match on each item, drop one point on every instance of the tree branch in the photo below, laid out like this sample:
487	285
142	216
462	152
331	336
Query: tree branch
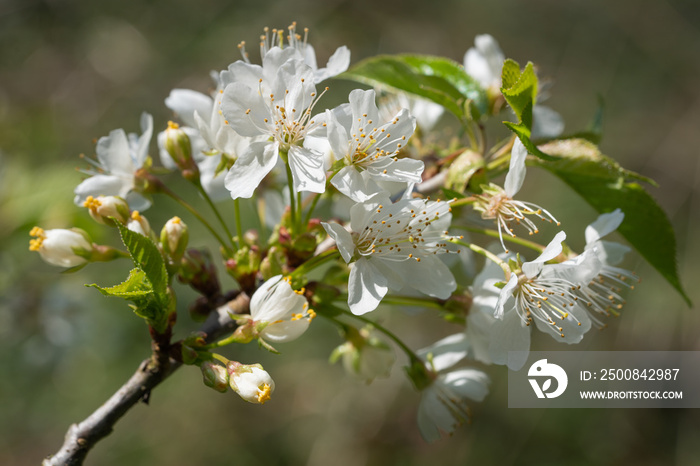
81	437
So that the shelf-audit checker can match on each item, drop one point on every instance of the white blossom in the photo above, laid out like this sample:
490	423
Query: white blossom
392	246
273	102
64	248
251	382
603	292
443	404
284	312
368	148
119	157
496	203
543	293
337	63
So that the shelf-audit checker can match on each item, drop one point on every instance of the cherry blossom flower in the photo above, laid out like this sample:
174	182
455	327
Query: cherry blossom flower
545	294
281	312
274	101
119	157
64	248
443	404
368	148
499	204
392	246
250	381
337	63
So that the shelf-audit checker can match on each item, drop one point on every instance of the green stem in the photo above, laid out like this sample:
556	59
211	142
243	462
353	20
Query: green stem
409	352
463	201
218	214
197	215
317	197
300	228
489	255
220	358
494	234
239	228
314	262
292	198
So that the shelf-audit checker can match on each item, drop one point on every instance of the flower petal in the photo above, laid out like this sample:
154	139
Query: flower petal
604	225
307	170
245	110
342	239
250	168
185	102
553	249
510	334
366	287
516	173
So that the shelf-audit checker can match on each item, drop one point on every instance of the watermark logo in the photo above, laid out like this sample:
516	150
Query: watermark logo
542	369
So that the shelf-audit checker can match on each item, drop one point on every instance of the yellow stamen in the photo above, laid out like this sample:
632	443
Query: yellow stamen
264	394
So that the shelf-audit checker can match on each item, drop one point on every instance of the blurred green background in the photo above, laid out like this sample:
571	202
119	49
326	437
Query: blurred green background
71	71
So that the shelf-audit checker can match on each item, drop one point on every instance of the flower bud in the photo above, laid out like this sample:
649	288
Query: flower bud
274	263
139	224
64	248
215	376
250	381
104	208
179	147
173	238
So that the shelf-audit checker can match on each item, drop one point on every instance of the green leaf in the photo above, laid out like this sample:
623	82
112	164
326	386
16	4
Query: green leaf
520	91
440	80
136	287
606	186
147	257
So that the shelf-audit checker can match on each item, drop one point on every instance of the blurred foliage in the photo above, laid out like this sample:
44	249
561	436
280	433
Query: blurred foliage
72	71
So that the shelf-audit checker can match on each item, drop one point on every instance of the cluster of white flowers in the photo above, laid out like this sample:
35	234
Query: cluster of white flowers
260	117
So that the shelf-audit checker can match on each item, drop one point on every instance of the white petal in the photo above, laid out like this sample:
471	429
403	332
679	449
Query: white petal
510	334
338	63
354	185
366	287
241	72
517	170
288	330
307	170
433	416
553	249
363	103
479	335
99	185
604	225
144	140
403	170
546	123
342	239
468	383
611	253
337	136
113	153
505	295
245	110
250	168
446	352
430	276
185	102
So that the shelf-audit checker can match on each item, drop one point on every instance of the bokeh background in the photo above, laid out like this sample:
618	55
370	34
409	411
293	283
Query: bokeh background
71	71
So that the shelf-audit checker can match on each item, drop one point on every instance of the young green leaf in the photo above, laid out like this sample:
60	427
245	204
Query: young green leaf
146	257
136	287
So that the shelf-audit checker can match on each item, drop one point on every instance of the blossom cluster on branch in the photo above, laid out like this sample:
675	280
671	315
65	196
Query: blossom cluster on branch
364	205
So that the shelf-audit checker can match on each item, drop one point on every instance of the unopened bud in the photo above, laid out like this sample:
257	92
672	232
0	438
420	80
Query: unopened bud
139	224
104	208
250	381
177	144
215	376
64	248
173	238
